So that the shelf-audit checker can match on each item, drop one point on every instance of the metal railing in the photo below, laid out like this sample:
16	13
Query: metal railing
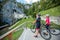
3	26
9	33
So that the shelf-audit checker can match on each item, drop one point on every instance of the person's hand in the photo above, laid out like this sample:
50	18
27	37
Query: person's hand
34	22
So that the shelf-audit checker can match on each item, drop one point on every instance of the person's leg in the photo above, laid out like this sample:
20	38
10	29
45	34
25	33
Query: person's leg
47	29
37	30
36	33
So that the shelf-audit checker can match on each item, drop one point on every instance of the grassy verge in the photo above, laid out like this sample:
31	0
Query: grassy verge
53	25
53	11
16	34
43	22
21	21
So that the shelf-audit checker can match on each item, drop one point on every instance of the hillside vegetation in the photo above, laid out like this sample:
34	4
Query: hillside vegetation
53	11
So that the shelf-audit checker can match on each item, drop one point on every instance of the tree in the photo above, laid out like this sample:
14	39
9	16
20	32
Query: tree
40	6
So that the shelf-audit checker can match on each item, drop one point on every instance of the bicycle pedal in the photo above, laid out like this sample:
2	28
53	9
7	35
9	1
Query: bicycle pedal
36	36
45	34
53	30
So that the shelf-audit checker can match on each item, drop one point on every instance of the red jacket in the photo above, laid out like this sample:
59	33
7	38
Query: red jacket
47	21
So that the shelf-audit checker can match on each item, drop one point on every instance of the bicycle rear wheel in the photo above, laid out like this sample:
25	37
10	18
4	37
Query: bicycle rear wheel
43	32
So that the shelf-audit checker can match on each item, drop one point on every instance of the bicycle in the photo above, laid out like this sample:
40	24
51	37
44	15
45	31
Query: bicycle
42	31
53	31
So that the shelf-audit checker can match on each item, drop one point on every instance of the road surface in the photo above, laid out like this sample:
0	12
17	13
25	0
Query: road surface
28	35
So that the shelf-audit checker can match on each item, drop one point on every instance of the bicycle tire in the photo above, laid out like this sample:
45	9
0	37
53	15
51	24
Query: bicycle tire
44	37
55	32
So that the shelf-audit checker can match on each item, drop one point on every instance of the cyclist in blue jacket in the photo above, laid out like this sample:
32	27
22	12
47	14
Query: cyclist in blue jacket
38	24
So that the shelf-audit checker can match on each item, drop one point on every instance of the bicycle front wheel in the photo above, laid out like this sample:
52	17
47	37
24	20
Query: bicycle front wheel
33	28
45	34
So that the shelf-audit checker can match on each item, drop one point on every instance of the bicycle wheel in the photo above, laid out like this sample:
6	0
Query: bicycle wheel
55	31
43	32
33	28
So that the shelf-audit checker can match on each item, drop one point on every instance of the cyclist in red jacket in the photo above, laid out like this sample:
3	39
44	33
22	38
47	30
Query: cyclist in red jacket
47	21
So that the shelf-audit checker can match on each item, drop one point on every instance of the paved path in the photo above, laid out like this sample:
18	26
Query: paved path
28	35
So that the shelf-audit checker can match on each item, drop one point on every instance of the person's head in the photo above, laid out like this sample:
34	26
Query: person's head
38	15
47	15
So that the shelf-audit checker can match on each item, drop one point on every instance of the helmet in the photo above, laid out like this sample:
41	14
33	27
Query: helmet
47	14
39	15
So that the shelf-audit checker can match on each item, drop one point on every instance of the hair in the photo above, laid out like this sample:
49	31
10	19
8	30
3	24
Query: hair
37	15
47	14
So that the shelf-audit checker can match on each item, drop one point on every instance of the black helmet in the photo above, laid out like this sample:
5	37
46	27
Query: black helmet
39	15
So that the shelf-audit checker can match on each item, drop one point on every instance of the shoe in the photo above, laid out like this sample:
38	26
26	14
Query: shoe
35	36
45	33
53	30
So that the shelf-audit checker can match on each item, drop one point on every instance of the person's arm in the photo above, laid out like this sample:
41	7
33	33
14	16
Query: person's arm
46	21
34	22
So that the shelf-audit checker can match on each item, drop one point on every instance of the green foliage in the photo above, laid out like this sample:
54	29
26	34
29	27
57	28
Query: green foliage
21	21
53	11
17	34
42	5
22	6
46	4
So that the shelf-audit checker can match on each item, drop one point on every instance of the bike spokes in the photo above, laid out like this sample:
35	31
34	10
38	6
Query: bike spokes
45	34
55	31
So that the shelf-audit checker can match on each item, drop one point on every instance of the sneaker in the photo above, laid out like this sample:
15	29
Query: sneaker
35	36
45	33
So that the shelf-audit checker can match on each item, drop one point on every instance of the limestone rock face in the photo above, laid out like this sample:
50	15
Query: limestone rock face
8	12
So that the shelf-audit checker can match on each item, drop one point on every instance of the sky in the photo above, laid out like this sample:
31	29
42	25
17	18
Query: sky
27	1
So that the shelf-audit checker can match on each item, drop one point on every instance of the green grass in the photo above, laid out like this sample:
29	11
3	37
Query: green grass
22	21
53	11
17	34
53	25
29	24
